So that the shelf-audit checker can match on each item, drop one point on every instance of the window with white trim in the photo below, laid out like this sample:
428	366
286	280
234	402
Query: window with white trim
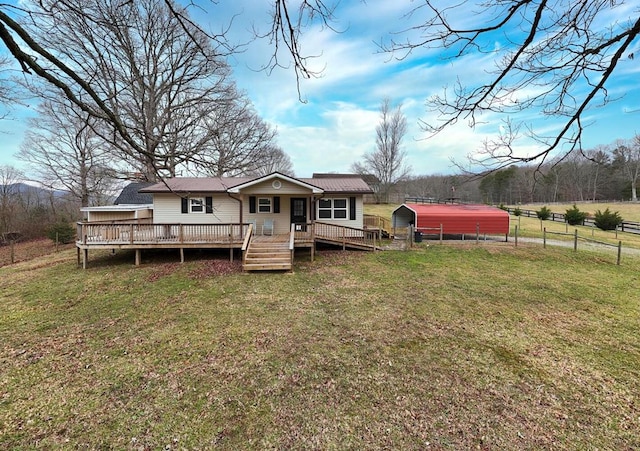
264	205
330	208
197	205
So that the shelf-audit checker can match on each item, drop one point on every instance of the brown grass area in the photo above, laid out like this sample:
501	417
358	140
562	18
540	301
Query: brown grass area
28	250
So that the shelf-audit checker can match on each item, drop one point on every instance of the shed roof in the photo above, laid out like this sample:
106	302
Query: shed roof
457	209
457	218
121	207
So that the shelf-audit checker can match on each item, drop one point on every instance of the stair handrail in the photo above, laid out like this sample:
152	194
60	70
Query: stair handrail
247	238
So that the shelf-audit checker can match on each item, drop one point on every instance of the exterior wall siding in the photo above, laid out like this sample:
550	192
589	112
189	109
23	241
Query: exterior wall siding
167	208
282	220
358	222
96	216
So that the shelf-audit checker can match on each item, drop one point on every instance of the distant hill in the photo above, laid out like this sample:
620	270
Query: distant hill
35	191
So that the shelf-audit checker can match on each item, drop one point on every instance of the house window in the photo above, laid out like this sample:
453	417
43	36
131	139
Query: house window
332	209
264	205
196	205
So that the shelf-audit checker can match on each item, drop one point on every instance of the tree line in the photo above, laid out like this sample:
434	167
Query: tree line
607	172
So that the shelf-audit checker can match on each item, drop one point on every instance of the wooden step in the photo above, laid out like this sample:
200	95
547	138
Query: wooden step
267	256
266	267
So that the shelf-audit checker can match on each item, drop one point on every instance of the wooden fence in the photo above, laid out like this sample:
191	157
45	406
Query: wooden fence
576	238
626	226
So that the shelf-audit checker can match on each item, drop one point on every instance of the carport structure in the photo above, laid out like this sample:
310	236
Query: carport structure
452	219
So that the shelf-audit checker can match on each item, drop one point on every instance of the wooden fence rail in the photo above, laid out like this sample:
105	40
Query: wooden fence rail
577	237
626	226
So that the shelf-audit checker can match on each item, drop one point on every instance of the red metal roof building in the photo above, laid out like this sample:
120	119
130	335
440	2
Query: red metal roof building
456	219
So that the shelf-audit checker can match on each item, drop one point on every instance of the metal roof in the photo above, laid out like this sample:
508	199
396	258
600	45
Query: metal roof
338	184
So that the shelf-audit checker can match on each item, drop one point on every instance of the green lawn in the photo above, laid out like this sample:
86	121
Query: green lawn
443	347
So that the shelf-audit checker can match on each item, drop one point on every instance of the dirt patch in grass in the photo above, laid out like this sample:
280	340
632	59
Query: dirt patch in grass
215	267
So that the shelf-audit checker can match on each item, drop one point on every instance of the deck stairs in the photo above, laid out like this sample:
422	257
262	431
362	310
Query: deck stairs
265	254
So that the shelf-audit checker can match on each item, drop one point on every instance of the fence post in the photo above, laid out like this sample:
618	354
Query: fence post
544	238
619	252
12	246
575	240
516	236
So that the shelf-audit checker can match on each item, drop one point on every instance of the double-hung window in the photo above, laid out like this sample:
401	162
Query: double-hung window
264	205
332	208
196	205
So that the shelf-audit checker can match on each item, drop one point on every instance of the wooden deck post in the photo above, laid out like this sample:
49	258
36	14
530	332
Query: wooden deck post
85	258
182	255
138	252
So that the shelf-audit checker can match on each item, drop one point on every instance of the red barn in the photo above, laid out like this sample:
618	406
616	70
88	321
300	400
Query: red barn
456	219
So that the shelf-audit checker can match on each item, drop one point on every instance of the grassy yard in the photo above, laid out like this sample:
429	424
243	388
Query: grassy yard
443	347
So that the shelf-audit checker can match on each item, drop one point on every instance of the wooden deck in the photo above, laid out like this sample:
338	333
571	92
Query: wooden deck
138	236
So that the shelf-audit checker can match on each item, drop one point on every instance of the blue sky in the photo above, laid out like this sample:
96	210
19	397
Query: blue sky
336	124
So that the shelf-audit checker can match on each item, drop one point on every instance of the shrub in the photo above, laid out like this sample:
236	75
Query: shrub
607	220
517	211
543	214
502	207
574	216
62	231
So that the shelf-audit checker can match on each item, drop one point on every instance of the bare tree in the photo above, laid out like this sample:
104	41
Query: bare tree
556	58
599	158
65	153
142	68
387	162
239	141
627	155
274	159
7	91
9	196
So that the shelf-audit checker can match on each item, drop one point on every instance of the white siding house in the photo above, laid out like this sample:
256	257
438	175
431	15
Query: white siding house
276	198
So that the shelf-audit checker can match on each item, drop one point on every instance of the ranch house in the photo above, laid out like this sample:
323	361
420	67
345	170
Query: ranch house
264	218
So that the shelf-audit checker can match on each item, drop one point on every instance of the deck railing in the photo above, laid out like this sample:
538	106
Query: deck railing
376	222
345	235
135	233
236	235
